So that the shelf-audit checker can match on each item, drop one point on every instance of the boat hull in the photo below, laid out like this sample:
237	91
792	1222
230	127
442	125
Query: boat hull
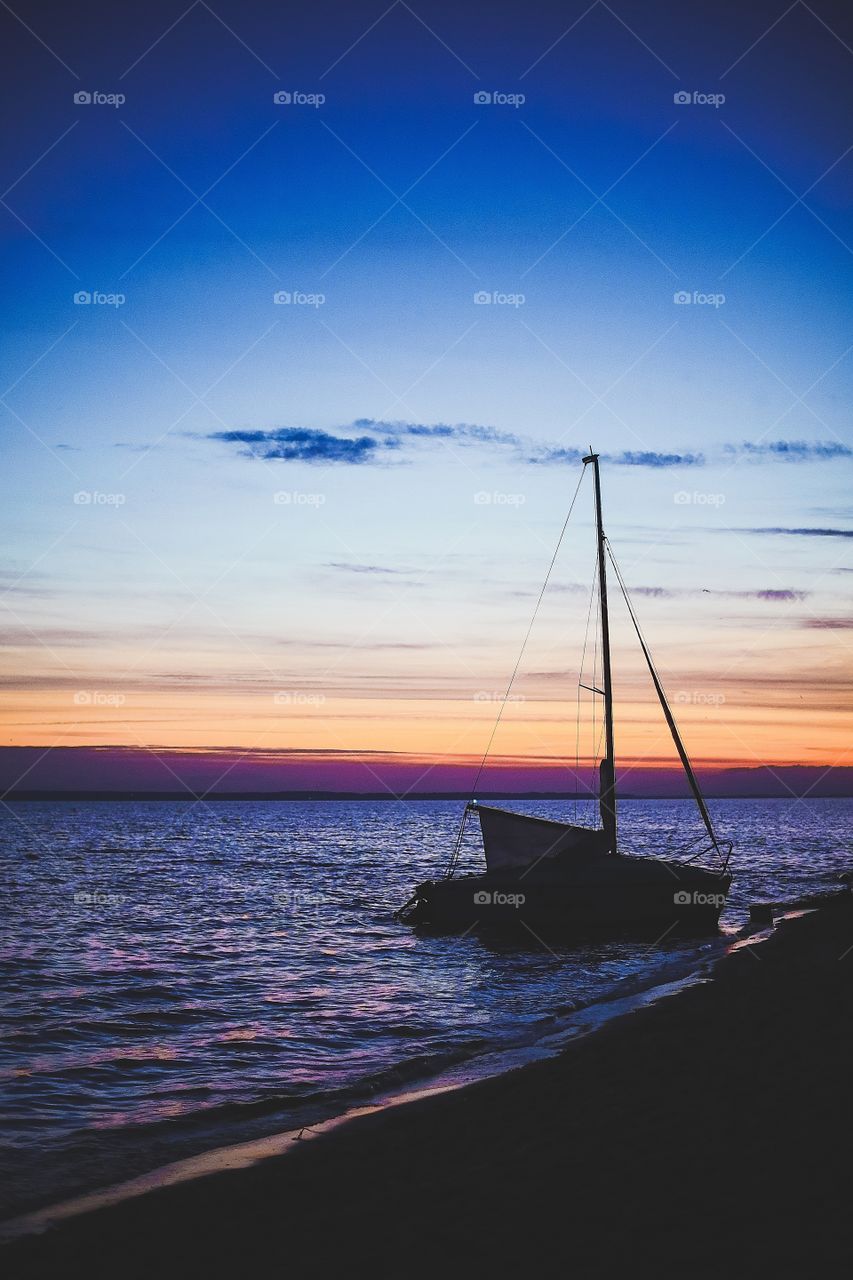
618	894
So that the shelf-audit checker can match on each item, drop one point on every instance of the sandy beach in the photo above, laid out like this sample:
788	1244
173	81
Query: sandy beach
708	1131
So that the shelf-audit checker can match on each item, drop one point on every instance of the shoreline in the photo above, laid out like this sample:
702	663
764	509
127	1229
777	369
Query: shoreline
673	977
796	975
552	1036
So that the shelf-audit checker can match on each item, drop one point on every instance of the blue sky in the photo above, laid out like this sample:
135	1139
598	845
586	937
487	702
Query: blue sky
581	213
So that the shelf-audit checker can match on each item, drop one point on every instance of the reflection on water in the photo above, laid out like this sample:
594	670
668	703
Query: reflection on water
182	975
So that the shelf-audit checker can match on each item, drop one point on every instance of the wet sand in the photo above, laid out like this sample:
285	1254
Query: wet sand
707	1133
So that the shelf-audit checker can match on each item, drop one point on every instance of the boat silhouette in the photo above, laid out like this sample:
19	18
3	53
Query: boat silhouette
545	874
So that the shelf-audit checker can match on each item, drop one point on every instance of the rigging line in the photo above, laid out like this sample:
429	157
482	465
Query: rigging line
527	636
670	719
457	847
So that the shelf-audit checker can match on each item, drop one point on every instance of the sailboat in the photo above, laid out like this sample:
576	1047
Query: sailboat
549	874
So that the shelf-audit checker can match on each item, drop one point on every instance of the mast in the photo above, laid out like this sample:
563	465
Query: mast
607	770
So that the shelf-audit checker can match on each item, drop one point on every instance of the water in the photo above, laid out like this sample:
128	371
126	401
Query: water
180	976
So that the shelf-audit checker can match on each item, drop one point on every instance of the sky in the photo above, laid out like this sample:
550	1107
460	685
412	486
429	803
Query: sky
311	313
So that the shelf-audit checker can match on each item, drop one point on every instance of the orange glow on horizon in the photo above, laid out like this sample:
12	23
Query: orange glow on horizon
433	730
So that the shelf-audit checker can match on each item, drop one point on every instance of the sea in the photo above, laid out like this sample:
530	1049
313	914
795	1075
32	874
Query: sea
179	976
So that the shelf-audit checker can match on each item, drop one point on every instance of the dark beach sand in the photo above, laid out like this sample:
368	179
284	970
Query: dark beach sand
705	1135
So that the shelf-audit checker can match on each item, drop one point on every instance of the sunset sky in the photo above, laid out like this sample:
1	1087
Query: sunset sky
307	535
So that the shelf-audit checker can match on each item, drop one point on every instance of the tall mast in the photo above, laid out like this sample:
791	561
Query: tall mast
607	770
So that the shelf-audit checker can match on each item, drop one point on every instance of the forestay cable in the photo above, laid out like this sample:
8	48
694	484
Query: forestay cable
454	857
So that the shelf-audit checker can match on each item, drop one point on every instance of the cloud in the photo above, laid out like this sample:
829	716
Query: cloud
365	439
464	432
793	450
303	444
829	624
550	454
772	595
650	459
800	533
362	568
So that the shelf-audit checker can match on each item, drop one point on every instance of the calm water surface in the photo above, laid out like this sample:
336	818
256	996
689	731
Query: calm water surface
181	976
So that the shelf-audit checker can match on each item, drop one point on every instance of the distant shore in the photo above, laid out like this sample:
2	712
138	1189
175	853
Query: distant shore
710	1130
193	797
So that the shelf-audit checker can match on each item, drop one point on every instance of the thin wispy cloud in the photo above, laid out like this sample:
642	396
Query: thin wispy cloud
367	440
771	595
462	432
792	450
648	458
798	533
363	568
549	455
